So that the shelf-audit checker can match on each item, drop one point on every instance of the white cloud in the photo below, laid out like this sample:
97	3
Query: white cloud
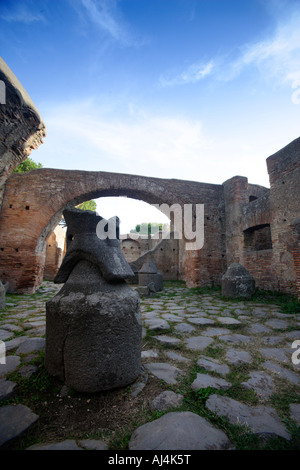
278	57
140	142
193	74
106	16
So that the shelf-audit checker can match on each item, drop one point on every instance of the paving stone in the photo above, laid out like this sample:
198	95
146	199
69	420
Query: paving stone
261	420
282	372
272	340
237	357
276	353
184	328
164	371
292	334
12	363
140	383
167	339
258	328
205	380
93	444
235	338
215	331
197	314
28	370
15	342
201	321
149	353
171	317
258	312
177	357
34	324
165	400
4	335
212	365
14	420
11	327
198	343
194	310
228	311
36	332
295	412
6	389
277	324
30	345
177	431
228	321
68	444
261	383
157	324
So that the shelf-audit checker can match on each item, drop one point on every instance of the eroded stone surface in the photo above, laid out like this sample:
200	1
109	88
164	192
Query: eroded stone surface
260	420
237	357
177	431
205	380
261	383
212	365
165	400
198	343
164	371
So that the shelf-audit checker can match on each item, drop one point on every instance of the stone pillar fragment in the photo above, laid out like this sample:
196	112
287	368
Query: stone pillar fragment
150	277
93	324
237	282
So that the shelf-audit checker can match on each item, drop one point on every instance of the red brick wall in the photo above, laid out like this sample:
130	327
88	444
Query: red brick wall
33	203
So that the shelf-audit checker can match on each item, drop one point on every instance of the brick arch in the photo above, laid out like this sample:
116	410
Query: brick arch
33	203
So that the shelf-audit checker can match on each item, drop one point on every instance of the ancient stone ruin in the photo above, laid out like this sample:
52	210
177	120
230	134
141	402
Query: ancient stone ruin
150	279
237	282
93	324
243	222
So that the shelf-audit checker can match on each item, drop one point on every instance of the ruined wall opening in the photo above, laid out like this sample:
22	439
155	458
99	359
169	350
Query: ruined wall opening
132	213
258	238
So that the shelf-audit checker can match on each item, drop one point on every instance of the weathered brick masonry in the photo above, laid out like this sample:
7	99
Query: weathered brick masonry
34	202
21	126
247	223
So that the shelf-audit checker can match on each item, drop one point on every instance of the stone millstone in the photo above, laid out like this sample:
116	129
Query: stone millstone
237	282
93	340
93	324
177	431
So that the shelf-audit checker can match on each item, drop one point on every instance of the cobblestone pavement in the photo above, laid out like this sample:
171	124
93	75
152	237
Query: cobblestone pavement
181	328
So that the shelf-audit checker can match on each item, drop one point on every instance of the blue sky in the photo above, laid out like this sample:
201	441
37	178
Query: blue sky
201	90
